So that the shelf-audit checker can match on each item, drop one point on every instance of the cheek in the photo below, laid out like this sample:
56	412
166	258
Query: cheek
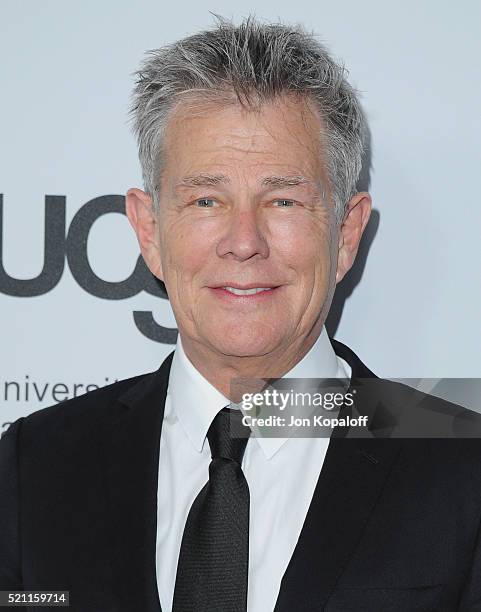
304	244
184	250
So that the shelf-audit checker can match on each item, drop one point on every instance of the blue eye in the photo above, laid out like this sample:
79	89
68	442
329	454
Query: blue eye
286	203
204	202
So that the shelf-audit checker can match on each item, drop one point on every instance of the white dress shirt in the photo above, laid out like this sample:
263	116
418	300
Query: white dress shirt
279	497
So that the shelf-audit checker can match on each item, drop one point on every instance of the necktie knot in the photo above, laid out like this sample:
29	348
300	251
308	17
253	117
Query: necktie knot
228	436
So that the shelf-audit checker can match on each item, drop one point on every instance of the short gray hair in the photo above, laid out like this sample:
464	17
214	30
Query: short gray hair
250	61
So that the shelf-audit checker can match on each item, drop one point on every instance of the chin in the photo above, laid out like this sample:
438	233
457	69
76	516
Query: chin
244	342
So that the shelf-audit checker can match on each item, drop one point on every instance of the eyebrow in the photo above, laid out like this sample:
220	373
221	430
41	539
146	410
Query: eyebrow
291	180
204	179
196	180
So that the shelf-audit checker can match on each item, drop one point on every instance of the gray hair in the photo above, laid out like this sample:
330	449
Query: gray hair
252	61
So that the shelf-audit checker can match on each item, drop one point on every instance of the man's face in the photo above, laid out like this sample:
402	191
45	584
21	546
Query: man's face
242	206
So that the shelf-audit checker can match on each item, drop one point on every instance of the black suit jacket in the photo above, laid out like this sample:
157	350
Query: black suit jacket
393	524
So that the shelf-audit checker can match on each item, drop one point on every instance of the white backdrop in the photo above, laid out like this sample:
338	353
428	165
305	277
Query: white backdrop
412	305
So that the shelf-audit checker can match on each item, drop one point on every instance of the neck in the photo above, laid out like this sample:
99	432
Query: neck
220	369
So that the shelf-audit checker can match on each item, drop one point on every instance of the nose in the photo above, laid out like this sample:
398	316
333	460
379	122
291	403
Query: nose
243	238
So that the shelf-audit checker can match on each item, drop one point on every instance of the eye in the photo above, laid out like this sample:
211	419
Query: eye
205	202
285	203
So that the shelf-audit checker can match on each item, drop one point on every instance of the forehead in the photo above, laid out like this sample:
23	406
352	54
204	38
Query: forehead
282	135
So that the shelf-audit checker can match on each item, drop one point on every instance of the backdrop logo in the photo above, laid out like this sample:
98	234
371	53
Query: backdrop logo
71	245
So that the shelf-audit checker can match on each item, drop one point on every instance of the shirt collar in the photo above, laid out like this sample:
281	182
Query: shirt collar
196	401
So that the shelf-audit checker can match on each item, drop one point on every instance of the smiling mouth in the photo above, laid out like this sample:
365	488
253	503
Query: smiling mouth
244	295
252	291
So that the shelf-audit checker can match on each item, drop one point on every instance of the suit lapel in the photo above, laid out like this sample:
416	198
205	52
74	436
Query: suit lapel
131	462
350	482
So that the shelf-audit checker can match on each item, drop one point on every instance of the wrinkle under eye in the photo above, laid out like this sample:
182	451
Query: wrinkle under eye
289	202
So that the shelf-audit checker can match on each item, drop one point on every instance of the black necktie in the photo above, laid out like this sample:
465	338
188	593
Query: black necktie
214	554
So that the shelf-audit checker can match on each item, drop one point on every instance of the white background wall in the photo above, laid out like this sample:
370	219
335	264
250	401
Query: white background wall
65	78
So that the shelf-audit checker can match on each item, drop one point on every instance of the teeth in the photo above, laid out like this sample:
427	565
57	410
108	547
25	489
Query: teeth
246	291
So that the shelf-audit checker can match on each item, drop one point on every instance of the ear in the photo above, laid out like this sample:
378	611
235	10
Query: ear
144	220
352	228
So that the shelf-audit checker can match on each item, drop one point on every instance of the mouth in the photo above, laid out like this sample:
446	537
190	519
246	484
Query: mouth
246	293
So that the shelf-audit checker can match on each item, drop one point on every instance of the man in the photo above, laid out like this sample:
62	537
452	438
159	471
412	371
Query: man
137	497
